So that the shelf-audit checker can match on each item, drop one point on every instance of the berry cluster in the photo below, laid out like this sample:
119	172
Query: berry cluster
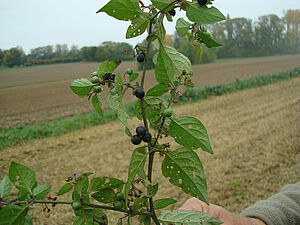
141	135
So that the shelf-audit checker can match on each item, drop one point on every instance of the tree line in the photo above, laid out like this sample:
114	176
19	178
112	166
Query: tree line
240	37
62	54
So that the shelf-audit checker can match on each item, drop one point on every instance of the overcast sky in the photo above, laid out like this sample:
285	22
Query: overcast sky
35	23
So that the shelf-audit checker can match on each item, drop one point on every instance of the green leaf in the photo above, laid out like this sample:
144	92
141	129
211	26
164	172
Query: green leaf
207	39
133	77
82	184
162	4
5	187
152	110
186	217
99	183
190	132
91	216
113	65
13	215
185	170
137	163
106	195
138	26
119	84
182	27
41	191
158	90
152	190
103	68
122	9
163	203
160	30
23	176
96	100
203	14
170	64
65	189
81	86
115	102
28	220
198	49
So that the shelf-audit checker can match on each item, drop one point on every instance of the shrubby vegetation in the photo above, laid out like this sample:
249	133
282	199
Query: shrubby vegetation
240	37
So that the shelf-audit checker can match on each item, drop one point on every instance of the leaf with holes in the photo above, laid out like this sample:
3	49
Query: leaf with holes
138	26
170	64
122	9
182	27
5	186
186	217
185	170
203	14
99	183
190	132
137	163
23	177
106	195
82	184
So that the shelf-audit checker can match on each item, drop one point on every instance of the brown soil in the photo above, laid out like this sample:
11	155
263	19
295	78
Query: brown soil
255	135
47	101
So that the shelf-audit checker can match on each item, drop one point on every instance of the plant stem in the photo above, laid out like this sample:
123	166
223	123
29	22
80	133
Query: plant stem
34	201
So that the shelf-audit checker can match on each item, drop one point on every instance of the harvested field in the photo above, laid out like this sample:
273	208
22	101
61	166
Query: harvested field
255	135
46	101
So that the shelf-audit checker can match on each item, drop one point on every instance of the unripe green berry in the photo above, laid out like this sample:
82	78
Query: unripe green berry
118	205
97	89
95	79
119	196
94	73
129	71
76	205
167	112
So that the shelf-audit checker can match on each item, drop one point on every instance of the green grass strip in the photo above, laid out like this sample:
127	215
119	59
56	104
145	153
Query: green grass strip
21	134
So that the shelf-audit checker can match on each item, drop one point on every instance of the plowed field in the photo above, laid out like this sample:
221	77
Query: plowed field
46	101
255	135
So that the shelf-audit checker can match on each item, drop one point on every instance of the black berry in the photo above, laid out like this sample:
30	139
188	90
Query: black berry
141	57
141	131
172	12
106	76
139	93
136	140
147	137
113	76
202	2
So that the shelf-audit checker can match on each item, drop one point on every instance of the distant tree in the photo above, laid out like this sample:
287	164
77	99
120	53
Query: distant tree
292	22
269	35
13	57
74	51
1	56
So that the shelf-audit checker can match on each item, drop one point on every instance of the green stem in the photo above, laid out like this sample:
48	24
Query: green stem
33	201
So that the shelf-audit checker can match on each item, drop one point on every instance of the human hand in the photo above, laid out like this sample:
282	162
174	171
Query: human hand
219	213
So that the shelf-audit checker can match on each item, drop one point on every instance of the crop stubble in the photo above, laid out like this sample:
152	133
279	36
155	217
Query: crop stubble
47	101
255	135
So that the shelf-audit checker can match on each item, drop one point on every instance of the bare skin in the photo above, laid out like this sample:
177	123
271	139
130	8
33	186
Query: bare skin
219	213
